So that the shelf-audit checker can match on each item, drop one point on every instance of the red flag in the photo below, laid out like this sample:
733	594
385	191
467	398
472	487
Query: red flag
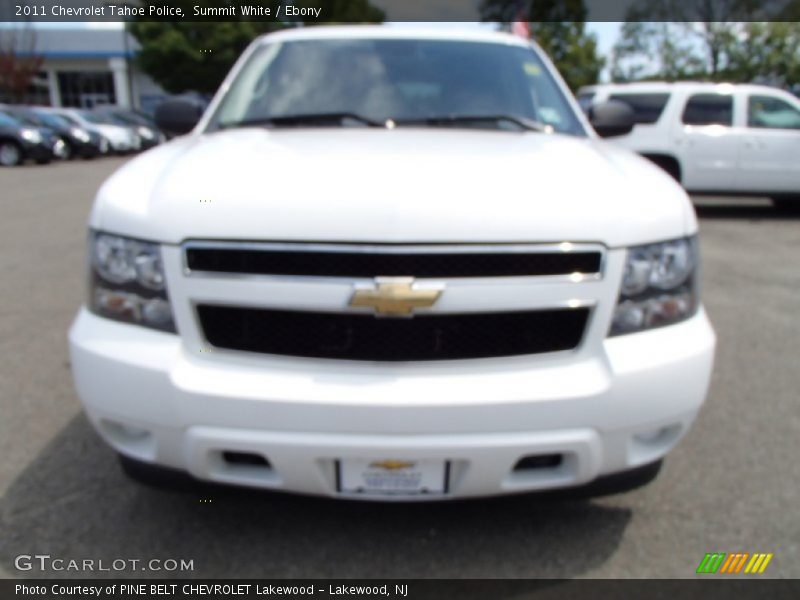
520	27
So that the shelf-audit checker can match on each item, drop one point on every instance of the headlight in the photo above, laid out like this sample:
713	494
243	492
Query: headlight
127	281
146	132
659	286
80	134
32	135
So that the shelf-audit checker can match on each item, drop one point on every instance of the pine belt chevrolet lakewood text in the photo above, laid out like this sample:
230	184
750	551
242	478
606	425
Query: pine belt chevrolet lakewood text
393	264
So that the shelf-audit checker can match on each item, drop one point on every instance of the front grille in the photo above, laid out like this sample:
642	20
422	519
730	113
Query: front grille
390	261
365	337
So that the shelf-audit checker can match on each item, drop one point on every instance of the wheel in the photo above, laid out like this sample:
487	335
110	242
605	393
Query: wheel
10	154
69	152
787	204
157	476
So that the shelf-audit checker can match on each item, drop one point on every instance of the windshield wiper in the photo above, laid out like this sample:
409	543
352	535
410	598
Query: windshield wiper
455	120
308	119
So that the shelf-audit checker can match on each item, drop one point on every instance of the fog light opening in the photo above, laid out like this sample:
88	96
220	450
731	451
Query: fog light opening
538	462
249	459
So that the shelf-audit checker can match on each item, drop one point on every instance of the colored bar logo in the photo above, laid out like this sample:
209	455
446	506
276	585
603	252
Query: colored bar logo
734	563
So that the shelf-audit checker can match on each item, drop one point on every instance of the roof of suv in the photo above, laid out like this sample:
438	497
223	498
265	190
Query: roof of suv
389	32
662	86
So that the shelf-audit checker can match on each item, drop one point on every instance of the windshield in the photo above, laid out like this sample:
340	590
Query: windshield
422	82
98	119
52	120
23	118
129	118
8	121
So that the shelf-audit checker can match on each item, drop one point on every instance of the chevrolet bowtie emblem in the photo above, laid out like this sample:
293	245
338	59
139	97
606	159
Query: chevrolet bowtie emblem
391	465
396	296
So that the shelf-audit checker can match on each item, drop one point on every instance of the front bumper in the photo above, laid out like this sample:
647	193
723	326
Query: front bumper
84	148
39	151
155	401
124	145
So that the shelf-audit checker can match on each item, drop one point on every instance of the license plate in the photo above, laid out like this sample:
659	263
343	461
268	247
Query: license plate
393	476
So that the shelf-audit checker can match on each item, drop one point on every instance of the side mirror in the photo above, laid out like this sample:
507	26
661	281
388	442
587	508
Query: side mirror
176	116
611	118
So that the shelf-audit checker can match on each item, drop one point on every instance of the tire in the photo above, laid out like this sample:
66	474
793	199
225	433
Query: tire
69	151
157	476
10	154
787	204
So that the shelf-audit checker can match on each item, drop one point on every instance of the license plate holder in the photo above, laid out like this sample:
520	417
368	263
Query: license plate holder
392	477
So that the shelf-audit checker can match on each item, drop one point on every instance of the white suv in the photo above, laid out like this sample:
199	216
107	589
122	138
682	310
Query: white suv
714	138
392	264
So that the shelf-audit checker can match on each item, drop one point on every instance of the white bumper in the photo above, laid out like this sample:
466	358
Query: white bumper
604	412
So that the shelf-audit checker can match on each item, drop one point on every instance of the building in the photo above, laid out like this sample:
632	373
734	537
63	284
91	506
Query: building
87	66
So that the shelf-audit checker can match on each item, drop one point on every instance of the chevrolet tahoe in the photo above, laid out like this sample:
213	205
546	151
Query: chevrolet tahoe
393	264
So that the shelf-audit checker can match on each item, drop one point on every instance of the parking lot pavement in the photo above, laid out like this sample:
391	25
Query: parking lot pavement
731	485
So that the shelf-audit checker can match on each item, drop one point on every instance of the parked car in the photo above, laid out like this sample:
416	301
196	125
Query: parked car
715	138
77	141
145	127
122	139
393	264
20	141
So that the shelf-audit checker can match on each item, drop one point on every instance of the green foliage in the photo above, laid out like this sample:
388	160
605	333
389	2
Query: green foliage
192	55
573	51
559	27
716	40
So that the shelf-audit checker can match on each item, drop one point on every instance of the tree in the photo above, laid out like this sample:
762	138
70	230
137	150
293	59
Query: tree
193	55
559	27
654	50
765	51
19	62
717	40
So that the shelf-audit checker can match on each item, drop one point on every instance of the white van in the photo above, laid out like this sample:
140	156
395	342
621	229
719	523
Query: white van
714	138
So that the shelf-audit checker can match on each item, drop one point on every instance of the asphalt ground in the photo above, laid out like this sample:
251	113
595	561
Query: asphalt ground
731	485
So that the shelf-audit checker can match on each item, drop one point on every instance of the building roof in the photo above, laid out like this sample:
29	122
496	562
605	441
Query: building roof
86	42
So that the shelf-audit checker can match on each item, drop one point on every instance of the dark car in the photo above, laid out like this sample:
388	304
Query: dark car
20	141
78	140
144	126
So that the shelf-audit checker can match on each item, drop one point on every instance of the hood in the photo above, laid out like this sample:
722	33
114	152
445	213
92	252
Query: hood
47	133
401	185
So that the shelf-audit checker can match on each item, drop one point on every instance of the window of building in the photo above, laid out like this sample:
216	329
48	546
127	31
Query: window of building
709	109
647	108
85	89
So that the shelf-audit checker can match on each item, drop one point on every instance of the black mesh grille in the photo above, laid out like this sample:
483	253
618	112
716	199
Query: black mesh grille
390	264
365	337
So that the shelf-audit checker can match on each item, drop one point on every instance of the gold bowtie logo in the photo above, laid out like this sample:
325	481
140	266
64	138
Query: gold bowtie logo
391	465
396	296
